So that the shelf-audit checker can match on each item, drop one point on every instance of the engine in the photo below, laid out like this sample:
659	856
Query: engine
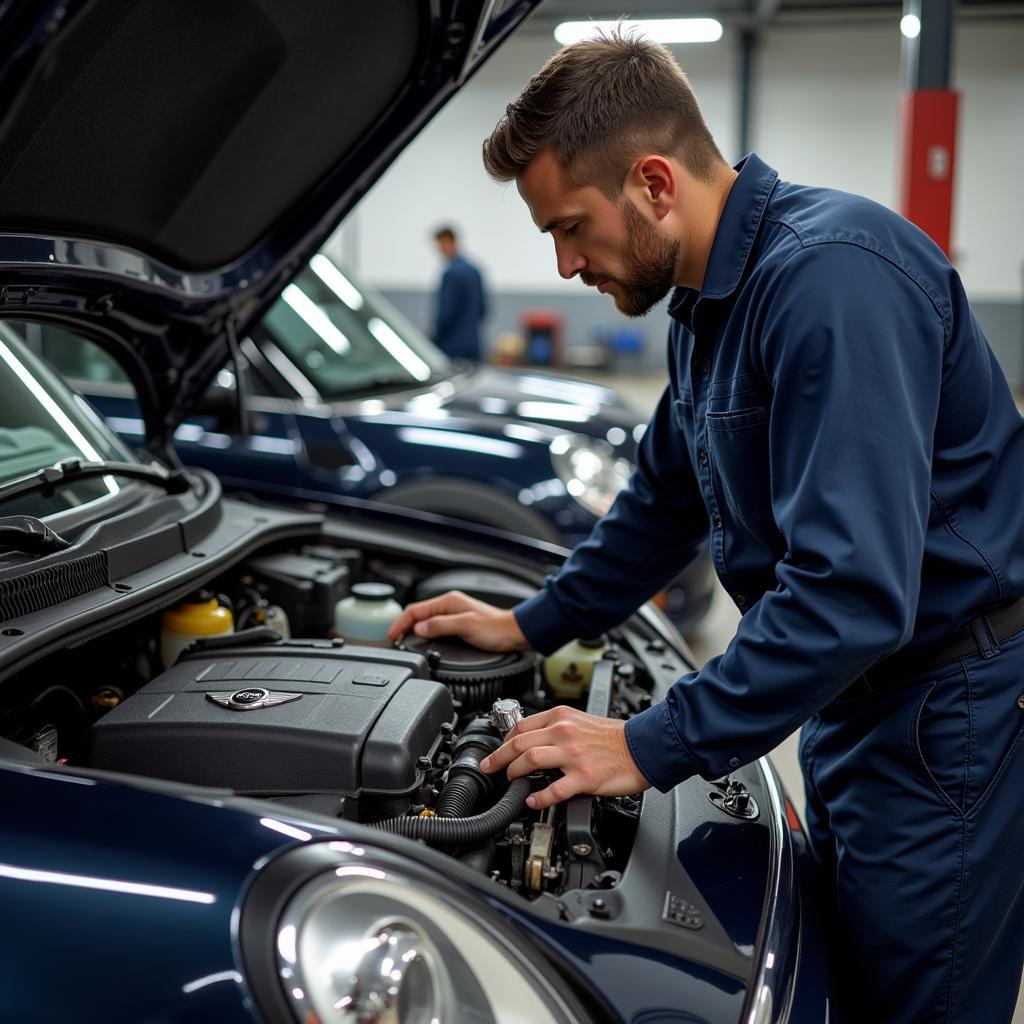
386	736
334	729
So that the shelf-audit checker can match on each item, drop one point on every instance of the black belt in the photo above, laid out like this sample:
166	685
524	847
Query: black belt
979	636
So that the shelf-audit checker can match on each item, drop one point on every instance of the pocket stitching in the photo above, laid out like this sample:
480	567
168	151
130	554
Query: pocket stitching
743	384
722	423
914	742
728	419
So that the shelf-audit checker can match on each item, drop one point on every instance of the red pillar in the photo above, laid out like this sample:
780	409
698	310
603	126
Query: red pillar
928	160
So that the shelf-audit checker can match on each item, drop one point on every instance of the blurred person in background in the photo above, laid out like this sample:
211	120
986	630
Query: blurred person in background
461	302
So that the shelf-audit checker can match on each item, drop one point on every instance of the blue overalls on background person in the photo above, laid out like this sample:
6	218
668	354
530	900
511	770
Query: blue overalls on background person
839	429
461	306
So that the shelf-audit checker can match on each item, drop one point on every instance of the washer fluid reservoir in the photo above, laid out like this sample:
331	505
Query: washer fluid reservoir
365	616
569	669
195	618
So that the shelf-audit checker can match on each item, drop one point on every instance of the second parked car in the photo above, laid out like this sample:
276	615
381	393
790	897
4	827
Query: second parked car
342	397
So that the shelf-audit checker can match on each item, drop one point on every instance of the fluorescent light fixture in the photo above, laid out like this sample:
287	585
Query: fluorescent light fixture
316	319
336	281
657	30
910	26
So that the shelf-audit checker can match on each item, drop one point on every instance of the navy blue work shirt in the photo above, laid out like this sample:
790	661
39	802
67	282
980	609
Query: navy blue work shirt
837	424
461	305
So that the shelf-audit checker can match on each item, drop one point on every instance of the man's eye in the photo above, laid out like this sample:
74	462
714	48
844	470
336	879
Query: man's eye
569	232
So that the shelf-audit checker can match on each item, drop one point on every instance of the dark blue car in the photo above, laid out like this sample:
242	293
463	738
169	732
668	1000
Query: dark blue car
343	397
214	808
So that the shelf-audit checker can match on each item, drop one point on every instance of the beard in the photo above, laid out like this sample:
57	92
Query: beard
649	266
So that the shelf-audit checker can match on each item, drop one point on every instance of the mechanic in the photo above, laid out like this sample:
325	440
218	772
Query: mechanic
461	301
837	428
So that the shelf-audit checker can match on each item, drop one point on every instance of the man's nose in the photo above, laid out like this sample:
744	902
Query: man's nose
570	262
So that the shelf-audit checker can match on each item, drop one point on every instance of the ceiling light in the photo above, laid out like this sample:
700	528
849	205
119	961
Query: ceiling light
658	30
910	26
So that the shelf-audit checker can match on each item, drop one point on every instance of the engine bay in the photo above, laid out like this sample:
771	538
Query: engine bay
278	707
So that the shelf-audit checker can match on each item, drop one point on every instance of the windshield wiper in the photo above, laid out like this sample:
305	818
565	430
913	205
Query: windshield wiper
29	535
47	480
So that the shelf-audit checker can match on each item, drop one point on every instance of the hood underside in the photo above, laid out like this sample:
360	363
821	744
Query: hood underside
166	166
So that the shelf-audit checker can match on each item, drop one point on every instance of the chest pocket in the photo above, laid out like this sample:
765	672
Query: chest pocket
738	440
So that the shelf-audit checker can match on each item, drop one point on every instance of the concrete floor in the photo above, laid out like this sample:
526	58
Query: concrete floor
716	630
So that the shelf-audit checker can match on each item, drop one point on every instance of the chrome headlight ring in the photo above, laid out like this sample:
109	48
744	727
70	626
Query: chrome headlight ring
357	934
590	470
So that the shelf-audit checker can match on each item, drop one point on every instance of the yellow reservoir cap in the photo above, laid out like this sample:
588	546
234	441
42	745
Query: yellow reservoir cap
198	618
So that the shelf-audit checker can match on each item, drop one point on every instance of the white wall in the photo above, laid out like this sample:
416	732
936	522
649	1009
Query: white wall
440	178
826	112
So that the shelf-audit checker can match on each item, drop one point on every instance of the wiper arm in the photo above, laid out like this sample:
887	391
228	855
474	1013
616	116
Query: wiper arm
29	535
49	479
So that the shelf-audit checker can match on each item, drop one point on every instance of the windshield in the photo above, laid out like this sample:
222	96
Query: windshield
346	339
43	422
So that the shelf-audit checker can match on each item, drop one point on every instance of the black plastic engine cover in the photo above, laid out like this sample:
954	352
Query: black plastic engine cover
361	719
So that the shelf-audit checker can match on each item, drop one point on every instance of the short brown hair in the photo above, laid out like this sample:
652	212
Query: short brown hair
602	103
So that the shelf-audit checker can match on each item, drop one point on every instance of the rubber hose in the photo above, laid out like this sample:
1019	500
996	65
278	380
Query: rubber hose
454	831
480	857
459	796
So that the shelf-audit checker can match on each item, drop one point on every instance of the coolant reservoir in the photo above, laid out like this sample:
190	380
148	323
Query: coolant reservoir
365	616
569	669
195	618
275	618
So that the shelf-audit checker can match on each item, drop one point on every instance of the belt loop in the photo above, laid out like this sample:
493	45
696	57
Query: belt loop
984	637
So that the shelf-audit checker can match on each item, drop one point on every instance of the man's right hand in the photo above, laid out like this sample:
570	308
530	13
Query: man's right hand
457	614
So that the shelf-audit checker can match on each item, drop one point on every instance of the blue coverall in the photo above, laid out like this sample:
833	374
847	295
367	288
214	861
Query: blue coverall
461	306
837	424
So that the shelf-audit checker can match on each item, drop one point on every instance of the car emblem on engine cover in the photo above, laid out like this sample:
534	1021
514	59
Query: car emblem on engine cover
251	698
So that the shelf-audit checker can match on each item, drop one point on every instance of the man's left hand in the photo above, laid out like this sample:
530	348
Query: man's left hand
591	752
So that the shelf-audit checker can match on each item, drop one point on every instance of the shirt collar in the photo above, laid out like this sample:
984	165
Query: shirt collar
734	238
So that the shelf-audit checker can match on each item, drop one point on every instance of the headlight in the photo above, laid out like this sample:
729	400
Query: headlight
365	943
590	471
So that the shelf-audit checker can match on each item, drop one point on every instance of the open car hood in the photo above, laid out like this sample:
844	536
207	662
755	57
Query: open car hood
166	167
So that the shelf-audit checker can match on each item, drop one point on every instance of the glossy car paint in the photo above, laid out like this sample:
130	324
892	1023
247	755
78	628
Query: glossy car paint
141	912
467	428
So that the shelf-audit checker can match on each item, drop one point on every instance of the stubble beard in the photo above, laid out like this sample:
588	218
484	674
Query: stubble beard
649	265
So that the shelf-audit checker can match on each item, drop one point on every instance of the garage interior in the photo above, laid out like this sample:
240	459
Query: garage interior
231	739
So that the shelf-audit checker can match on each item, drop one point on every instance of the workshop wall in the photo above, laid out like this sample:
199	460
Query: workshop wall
826	111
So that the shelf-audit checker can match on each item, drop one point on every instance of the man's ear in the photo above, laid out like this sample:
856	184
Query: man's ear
654	182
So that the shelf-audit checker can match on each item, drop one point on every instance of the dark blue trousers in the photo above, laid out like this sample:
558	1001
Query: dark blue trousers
915	812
